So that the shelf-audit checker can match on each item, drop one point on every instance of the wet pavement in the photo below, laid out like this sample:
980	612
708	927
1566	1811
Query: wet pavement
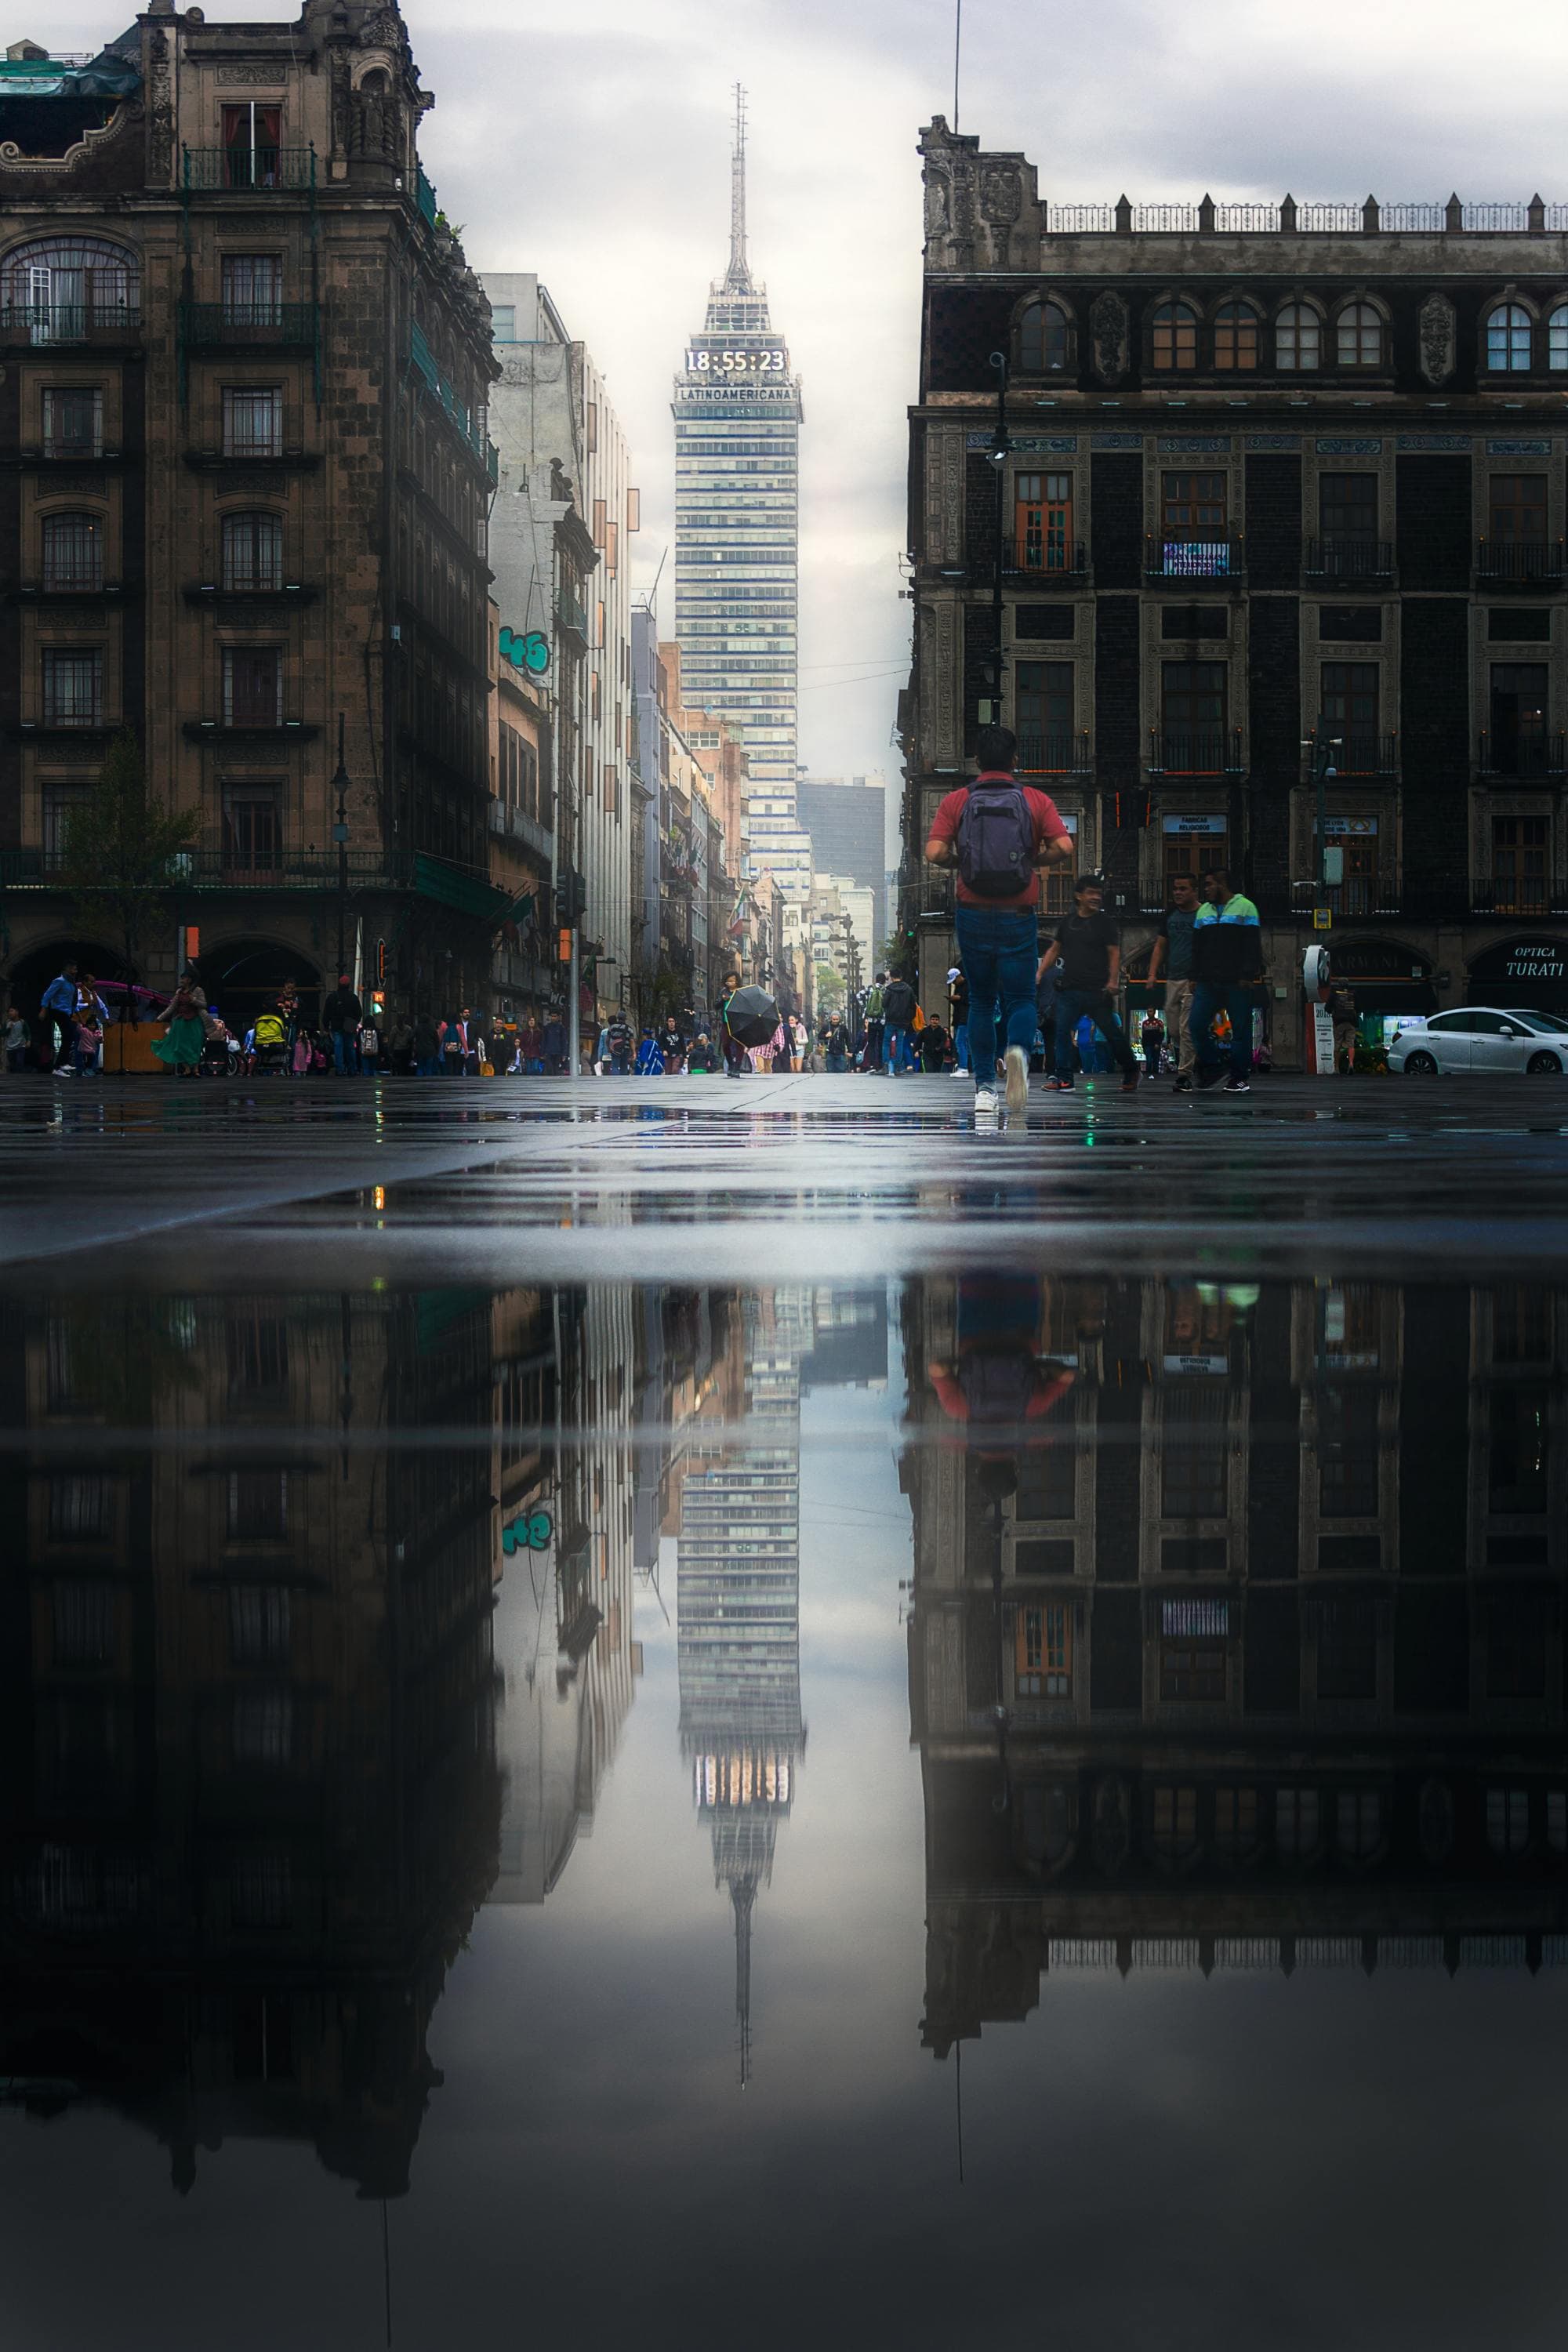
626	1709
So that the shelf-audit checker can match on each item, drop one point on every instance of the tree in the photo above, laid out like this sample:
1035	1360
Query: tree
118	855
829	989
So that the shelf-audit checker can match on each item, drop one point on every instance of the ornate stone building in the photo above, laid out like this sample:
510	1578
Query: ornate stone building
1254	465
244	489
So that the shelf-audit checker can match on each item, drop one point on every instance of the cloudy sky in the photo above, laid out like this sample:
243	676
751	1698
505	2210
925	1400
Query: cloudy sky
591	143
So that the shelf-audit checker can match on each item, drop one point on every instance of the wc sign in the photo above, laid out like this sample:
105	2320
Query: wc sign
531	1532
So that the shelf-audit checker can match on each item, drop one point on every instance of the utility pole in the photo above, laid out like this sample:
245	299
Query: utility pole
339	785
1323	746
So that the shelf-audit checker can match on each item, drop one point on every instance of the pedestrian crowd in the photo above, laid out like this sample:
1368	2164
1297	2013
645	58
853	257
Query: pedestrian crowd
1057	1003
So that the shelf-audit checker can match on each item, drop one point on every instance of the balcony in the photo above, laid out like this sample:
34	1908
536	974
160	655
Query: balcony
38	324
1522	894
72	584
464	420
1523	753
1360	752
246	731
251	595
516	824
1065	561
570	617
1055	755
1198	752
1521	563
217	869
250	171
1217	557
424	196
249	326
1354	562
1358	894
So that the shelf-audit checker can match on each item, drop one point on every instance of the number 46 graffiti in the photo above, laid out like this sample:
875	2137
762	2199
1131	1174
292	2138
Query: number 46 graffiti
531	1533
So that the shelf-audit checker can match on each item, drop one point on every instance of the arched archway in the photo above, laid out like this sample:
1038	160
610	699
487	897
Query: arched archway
31	973
1384	975
242	977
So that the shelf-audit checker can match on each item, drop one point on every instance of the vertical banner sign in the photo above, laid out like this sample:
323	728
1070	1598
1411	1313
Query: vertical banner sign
1322	1041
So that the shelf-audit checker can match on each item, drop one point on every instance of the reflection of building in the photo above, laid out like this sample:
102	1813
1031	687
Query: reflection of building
563	1612
1258	1629
249	1799
739	1620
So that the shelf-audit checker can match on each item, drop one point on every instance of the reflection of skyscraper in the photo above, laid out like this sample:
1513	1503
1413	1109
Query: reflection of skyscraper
738	1622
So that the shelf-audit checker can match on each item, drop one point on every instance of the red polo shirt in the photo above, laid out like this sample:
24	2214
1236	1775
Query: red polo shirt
1048	826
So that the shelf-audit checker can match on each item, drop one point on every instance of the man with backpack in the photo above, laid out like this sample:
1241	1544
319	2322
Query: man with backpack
898	1024
999	833
873	1012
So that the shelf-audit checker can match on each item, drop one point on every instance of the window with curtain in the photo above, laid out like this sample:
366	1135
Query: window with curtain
1042	714
252	828
1236	337
1044	340
252	289
59	801
1358	336
252	686
1298	338
252	551
1348	702
61	285
1174	337
73	687
1557	338
258	1625
72	548
73	421
1043	1657
252	420
1508	339
252	137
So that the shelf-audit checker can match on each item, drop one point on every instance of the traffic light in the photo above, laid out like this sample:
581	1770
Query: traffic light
571	896
381	962
563	946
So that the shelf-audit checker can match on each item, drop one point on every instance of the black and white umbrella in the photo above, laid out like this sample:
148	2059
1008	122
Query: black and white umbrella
751	1016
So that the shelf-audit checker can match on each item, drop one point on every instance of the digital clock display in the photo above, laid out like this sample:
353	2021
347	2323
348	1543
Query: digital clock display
734	364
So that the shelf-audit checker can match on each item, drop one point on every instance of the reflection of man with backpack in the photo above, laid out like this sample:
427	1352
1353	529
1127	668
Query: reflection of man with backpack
999	833
999	1388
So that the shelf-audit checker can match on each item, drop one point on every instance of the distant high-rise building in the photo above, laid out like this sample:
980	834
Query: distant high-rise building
737	428
845	820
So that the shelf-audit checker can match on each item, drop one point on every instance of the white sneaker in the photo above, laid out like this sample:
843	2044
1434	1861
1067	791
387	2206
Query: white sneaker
1015	1063
987	1106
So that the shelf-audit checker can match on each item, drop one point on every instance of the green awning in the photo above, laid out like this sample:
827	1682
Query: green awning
454	886
519	908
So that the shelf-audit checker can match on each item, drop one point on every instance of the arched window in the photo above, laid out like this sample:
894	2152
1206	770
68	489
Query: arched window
62	286
73	550
252	551
1236	336
1044	340
1175	337
1298	337
1508	339
1359	336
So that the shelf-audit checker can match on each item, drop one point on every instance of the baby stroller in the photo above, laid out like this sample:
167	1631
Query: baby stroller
271	1048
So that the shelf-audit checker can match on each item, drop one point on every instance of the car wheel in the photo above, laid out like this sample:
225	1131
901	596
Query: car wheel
1543	1065
1421	1065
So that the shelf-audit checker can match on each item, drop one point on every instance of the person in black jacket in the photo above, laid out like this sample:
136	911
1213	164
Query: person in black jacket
342	1016
898	1019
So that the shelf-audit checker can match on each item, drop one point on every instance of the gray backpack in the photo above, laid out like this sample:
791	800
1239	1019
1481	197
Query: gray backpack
996	840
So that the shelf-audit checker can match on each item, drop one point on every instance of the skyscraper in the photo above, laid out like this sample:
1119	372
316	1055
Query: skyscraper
737	432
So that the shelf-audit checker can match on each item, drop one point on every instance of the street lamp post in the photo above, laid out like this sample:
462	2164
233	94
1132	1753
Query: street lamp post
339	785
999	459
1323	746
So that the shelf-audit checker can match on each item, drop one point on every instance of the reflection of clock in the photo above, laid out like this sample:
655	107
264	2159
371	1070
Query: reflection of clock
734	362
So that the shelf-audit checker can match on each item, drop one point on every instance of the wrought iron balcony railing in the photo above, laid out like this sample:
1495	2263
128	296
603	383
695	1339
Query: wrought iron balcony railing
1522	562
1523	894
1360	752
259	326
1523	751
96	321
1195	554
1200	751
1064	559
258	170
1348	559
1054	754
1358	894
223	868
571	616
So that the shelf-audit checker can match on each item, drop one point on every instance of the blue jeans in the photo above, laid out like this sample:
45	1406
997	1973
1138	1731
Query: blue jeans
998	947
1213	996
961	1044
429	1067
1072	1003
345	1053
897	1044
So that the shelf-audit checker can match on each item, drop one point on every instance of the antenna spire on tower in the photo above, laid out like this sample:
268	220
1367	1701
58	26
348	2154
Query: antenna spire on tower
739	272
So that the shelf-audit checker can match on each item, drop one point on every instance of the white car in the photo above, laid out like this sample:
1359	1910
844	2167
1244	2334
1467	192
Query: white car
1474	1037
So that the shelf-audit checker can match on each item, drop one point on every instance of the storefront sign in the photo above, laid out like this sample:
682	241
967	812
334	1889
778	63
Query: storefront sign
1196	1364
1209	826
1542	959
1358	828
1323	1041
